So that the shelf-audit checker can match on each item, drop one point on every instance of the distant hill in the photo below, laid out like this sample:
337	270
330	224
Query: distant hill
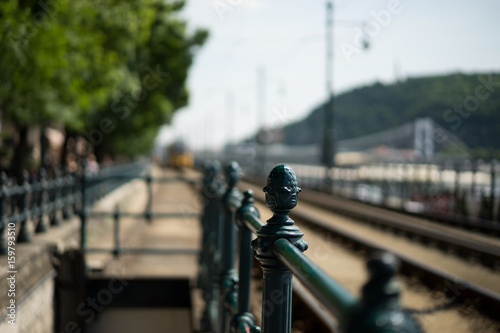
466	105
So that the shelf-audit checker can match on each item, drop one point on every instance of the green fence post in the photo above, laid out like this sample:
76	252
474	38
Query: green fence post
3	213
228	276
42	225
379	309
281	197
24	232
209	222
116	231
149	205
492	191
83	210
56	198
244	319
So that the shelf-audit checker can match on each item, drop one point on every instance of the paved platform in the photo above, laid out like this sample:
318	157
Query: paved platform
182	232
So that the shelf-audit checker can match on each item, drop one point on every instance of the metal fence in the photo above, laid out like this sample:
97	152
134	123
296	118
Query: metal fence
44	199
279	248
94	185
35	204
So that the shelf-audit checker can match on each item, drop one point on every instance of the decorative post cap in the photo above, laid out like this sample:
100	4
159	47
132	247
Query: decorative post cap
281	197
248	198
281	189
382	285
3	178
233	174
247	204
26	176
380	309
212	168
384	265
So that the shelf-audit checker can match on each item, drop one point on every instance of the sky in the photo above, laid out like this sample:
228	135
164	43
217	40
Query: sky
264	63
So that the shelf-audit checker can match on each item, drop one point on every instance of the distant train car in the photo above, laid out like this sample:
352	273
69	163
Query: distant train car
179	156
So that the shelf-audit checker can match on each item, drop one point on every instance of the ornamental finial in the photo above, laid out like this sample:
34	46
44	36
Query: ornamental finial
281	189
233	173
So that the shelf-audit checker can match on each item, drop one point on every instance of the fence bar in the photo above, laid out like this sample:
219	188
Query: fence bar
492	190
149	205
24	232
210	220
116	231
228	277
42	225
281	196
83	210
3	213
56	198
331	294
246	254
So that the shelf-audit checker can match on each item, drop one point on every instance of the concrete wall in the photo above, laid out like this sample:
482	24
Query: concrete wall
36	267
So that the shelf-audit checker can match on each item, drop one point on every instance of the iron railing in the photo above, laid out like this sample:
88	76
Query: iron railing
34	204
93	186
44	199
279	248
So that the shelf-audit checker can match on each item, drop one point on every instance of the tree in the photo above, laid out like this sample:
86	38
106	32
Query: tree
161	65
71	64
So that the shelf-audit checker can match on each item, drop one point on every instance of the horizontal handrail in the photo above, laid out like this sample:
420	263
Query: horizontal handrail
46	198
252	222
332	295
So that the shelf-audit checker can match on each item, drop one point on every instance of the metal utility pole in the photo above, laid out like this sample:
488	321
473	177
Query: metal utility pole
328	131
261	116
230	122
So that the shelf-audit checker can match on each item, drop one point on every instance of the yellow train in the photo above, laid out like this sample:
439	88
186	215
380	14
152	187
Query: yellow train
179	156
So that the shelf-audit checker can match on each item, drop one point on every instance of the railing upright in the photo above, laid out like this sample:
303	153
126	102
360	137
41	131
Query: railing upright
83	209
281	196
41	185
56	188
3	213
228	277
24	231
212	225
244	321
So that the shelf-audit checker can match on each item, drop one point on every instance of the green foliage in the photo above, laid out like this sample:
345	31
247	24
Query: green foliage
380	107
73	63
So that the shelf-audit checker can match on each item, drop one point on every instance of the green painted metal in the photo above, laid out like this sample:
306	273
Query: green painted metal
84	209
24	232
246	255
379	309
3	214
279	248
55	185
42	225
34	199
252	221
116	232
281	197
211	245
492	190
329	292
227	276
149	204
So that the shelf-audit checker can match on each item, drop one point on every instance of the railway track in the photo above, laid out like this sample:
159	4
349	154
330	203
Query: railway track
463	244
